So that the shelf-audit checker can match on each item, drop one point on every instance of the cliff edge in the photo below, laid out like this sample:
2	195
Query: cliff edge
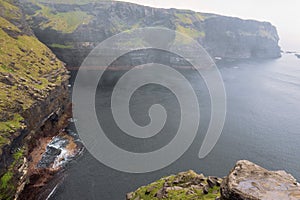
34	97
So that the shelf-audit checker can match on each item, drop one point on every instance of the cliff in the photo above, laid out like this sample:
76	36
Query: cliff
34	97
246	181
72	29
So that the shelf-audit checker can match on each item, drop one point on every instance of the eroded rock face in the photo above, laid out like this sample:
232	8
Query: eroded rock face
34	98
248	181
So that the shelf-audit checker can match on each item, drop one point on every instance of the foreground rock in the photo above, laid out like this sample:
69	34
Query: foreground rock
185	185
248	181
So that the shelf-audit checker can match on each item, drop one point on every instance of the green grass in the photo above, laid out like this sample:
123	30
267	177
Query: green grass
26	60
8	180
27	69
5	179
184	18
18	154
190	32
148	192
9	10
189	19
66	22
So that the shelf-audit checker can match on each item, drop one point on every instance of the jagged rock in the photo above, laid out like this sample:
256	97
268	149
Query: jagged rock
205	189
160	193
190	184
5	116
129	195
7	79
212	181
248	181
174	188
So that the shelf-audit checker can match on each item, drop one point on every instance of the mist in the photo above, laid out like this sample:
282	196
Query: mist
284	15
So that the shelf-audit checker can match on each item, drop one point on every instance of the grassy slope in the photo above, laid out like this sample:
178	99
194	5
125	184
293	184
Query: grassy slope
27	69
65	22
184	191
25	64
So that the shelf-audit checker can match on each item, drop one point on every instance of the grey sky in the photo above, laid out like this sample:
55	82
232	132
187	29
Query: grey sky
285	15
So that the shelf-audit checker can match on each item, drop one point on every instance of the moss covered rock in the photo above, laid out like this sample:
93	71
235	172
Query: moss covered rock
183	186
28	70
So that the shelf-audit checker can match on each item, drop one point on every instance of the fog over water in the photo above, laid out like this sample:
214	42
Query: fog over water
262	125
284	15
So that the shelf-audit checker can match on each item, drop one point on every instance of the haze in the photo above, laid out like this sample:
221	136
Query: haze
284	15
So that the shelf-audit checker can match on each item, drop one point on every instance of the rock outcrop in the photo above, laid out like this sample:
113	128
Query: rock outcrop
248	181
34	98
185	185
73	29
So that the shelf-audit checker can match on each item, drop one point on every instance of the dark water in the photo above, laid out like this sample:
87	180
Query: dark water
262	125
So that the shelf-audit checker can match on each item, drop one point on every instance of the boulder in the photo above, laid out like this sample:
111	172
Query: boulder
248	181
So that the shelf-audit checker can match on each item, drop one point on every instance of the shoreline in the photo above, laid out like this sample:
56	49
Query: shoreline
45	169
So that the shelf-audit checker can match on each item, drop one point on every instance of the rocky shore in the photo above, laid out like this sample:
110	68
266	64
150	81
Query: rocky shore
246	181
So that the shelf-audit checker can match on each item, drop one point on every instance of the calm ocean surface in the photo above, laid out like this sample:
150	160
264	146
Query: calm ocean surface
262	125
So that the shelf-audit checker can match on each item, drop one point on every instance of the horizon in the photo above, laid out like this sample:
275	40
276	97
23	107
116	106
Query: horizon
264	11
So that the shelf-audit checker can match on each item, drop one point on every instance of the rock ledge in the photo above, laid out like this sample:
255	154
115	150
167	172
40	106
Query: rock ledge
248	181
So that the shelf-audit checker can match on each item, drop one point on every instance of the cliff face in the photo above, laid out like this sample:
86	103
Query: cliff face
34	97
72	29
235	38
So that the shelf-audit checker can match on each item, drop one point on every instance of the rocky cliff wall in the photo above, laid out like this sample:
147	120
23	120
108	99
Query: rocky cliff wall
72	30
34	97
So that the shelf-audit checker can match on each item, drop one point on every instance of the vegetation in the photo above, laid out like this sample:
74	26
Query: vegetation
66	22
7	182
27	70
184	186
184	18
189	32
8	10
